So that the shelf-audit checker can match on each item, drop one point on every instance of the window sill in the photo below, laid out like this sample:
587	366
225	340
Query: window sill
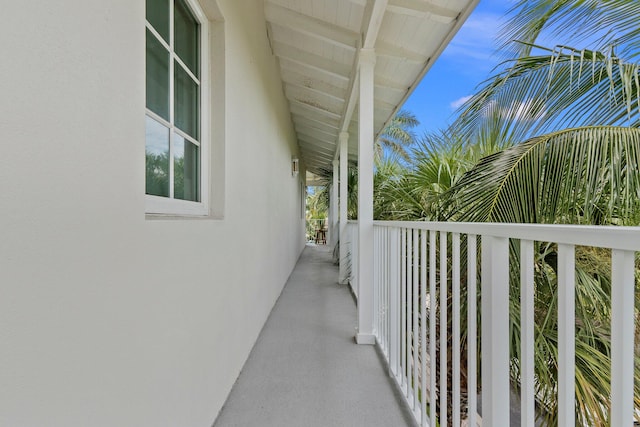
165	208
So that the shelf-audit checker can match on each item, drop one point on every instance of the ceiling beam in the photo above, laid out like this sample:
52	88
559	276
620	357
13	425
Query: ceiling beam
374	23
311	26
420	8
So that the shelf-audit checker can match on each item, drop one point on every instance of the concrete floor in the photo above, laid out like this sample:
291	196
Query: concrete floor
305	369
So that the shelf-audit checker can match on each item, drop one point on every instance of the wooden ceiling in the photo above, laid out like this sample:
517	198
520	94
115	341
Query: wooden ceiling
317	43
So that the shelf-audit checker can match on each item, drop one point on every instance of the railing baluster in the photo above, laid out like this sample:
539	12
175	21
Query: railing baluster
380	305
527	338
416	308
622	337
566	335
423	326
403	309
394	301
495	331
455	317
432	327
444	289
376	283
388	291
385	293
472	370
409	315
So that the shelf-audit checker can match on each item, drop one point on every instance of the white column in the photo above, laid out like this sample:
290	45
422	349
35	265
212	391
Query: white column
333	207
344	164
365	199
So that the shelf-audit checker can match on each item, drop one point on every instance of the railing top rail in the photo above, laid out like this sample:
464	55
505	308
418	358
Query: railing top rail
614	237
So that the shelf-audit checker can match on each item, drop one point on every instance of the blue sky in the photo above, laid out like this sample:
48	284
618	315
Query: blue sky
466	62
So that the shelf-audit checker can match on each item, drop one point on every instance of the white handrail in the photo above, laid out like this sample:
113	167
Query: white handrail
611	237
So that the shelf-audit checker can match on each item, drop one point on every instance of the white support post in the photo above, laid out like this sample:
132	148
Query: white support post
365	199
495	331
344	164
333	206
622	337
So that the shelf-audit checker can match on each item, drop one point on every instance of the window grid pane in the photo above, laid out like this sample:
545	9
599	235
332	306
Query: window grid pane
157	158
186	169
186	36
157	76
186	102
158	16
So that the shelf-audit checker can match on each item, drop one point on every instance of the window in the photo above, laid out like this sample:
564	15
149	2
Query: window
176	144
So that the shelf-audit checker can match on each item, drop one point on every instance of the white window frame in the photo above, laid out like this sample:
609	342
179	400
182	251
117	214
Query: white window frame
158	205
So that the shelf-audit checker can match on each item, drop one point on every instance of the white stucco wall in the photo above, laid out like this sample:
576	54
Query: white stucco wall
108	318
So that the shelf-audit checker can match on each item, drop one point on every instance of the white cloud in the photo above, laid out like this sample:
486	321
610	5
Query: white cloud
458	102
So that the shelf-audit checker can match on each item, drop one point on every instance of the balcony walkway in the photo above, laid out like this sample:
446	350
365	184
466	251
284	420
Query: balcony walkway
305	369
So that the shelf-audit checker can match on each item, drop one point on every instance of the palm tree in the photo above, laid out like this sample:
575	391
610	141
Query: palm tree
397	136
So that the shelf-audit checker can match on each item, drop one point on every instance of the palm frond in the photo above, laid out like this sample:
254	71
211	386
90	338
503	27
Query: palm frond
398	135
584	175
590	23
565	88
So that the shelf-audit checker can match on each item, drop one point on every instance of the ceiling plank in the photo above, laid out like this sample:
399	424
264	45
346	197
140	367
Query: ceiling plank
313	120
287	66
420	9
308	147
316	140
312	26
302	92
291	78
312	131
313	109
389	84
319	159
398	53
311	60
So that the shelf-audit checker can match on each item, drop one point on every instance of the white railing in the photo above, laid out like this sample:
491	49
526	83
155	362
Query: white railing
423	347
